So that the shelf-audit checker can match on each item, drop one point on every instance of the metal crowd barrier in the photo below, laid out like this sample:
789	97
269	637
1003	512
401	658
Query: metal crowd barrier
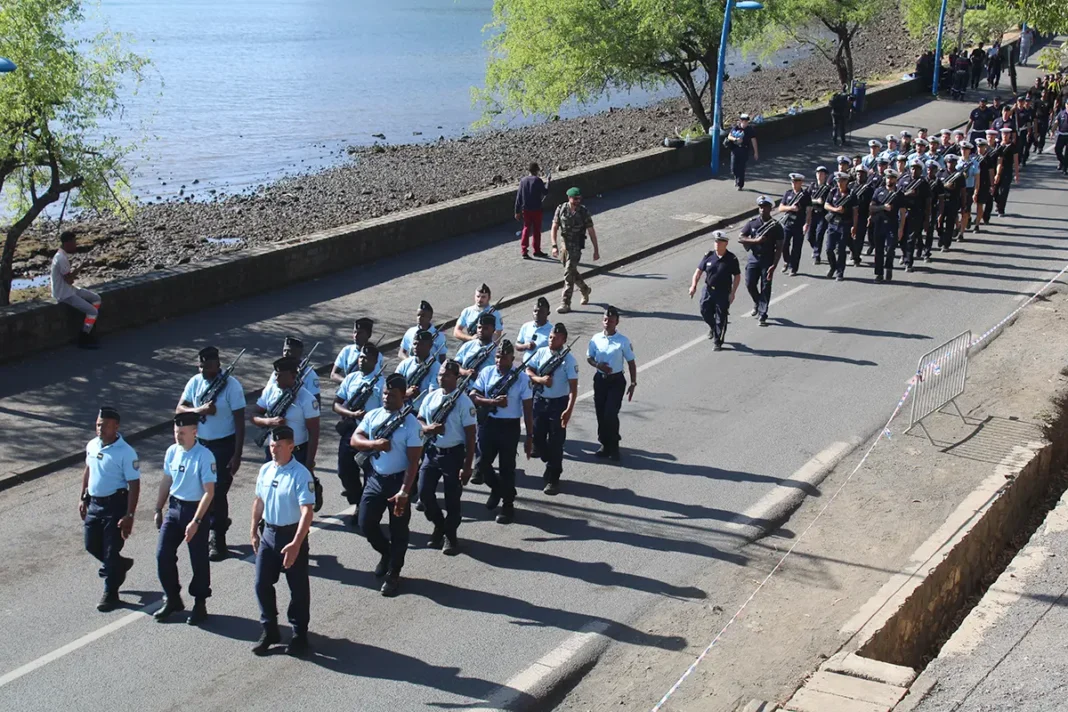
940	377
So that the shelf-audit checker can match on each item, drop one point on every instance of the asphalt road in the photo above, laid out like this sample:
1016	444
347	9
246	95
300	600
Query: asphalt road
707	436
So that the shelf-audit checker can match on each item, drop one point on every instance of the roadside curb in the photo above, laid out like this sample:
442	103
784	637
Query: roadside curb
13	479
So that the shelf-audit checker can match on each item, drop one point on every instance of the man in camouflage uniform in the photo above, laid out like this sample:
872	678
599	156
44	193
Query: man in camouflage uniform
573	221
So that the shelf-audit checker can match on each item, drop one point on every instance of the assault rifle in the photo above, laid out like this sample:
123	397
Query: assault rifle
416	377
445	409
218	383
473	326
550	366
482	355
280	406
385	431
357	401
501	387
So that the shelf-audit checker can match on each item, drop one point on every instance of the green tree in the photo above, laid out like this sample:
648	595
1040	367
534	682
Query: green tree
546	52
52	141
826	26
991	23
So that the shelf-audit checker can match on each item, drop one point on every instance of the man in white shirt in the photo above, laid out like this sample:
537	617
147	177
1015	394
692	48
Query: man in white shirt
64	291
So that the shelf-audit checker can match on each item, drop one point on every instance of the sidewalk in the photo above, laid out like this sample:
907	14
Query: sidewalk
49	403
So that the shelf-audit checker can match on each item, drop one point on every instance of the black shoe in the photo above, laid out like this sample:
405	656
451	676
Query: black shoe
108	602
764	320
199	613
170	605
793	273
601	452
383	567
754	312
926	258
712	334
614	456
452	545
878	278
909	269
492	502
506	514
437	538
476	478
217	550
870	252
297	645
419	506
856	262
268	638
527	257
390	586
817	260
831	272
839	278
718	346
551	489
539	253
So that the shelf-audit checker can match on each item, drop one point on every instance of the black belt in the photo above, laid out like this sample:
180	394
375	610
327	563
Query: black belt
281	527
446	449
175	502
107	498
602	374
217	441
539	396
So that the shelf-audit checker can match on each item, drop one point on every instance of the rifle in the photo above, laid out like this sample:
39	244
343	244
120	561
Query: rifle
357	402
445	409
416	377
473	326
501	387
280	406
386	430
821	193
218	383
482	354
551	365
356	363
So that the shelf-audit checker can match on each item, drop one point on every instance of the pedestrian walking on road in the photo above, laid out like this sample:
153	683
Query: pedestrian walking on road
554	374
186	489
741	140
528	210
283	506
64	291
1060	132
608	352
722	275
796	205
572	221
762	237
222	431
111	485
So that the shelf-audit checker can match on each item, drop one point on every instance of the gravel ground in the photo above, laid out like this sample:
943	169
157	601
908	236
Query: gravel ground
373	181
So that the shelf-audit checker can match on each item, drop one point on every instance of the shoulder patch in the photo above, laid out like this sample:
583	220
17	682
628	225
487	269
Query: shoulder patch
311	485
474	410
136	464
213	468
315	405
100	456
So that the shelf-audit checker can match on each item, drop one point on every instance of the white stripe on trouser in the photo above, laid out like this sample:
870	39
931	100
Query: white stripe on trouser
87	303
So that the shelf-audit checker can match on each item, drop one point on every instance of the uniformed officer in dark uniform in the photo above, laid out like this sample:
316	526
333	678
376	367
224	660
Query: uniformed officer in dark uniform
111	485
887	225
447	455
796	205
722	274
555	386
841	208
741	139
918	202
285	496
984	184
878	180
187	487
866	183
937	198
953	186
222	431
1007	171
817	226
395	465
979	120
762	237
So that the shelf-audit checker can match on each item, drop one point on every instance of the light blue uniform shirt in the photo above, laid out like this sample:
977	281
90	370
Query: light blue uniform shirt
311	380
971	169
461	416
469	317
354	381
429	381
189	471
466	353
283	489
561	377
408	341
407	435
889	155
870	162
348	359
110	466
232	397
519	392
613	350
532	332
304	406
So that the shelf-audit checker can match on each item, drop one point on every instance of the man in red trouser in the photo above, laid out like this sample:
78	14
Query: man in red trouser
528	200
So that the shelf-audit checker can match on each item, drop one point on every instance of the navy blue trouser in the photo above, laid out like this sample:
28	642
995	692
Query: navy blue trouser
715	308
759	286
347	469
791	249
608	391
948	229
816	230
269	568
498	439
223	449
885	239
550	435
1061	150
837	241
444	465
103	539
739	159
1001	192
373	505
171	535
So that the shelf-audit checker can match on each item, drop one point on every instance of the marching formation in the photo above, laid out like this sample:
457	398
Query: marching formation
435	419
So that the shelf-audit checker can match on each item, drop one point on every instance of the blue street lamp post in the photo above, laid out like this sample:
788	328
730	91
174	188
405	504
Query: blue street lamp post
6	65
938	50
717	107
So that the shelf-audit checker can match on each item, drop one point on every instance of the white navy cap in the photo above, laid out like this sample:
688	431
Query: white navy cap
991	132
959	132
906	134
951	158
821	169
1006	129
932	164
945	132
764	200
843	159
861	167
875	144
981	142
841	175
922	142
719	236
796	176
743	116
890	172
915	163
966	144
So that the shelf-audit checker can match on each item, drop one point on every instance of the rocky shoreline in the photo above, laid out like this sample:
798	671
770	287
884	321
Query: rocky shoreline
377	180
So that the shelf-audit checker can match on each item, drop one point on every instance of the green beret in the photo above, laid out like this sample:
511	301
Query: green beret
574	193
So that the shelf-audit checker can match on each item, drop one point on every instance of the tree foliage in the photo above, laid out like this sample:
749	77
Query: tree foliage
52	142
989	24
544	53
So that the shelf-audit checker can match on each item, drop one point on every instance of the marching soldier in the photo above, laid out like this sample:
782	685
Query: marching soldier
1008	169
111	485
293	348
817	226
572	221
555	378
887	225
918	202
467	323
535	334
284	502
890	153
188	485
447	455
222	431
866	185
367	384
740	140
796	205
952	180
348	358
394	465
466	354
608	352
904	145
762	237
841	219
969	163
424	322
937	198
410	366
984	184
870	161
722	275
498	432
302	416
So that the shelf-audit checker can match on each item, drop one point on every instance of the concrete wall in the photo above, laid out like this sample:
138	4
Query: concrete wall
31	327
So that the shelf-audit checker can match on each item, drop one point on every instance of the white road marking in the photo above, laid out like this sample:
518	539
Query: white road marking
690	344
